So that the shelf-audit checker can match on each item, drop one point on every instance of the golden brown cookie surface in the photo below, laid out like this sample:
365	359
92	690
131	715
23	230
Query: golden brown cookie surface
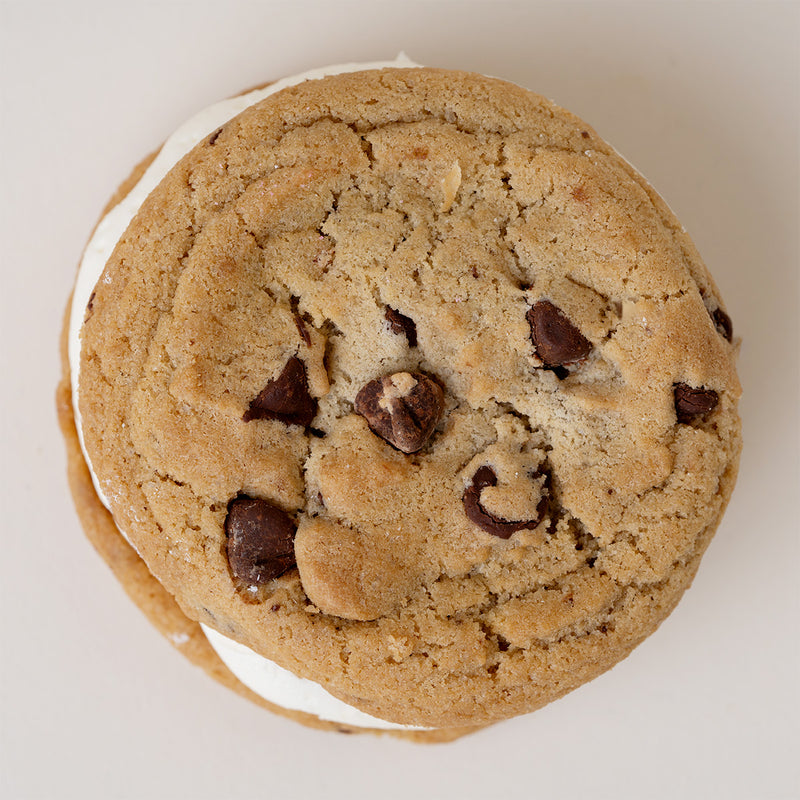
546	435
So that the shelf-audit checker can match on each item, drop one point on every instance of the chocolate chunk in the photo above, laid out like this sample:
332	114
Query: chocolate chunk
723	324
286	398
556	339
402	408
260	543
476	513
400	323
692	404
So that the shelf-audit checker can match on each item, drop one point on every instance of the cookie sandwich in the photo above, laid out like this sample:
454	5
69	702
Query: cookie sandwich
397	399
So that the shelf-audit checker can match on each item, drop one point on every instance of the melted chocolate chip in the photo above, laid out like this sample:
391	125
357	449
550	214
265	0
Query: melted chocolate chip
476	513
556	339
402	408
401	324
723	324
286	398
260	543
693	404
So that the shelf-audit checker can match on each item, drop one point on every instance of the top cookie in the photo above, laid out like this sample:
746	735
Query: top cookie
425	336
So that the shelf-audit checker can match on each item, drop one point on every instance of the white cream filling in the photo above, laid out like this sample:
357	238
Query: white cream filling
264	677
283	688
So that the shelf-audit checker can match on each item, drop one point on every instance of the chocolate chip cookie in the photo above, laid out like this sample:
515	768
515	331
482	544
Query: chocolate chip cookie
406	381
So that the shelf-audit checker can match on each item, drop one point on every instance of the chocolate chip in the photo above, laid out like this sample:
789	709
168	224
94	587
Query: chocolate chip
585	134
300	320
693	404
302	330
401	324
723	324
402	408
214	136
286	398
476	513
89	307
260	543
556	339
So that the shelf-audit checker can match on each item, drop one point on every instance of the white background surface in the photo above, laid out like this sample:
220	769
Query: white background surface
703	98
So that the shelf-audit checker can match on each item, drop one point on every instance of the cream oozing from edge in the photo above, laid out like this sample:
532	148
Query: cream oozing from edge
264	677
283	688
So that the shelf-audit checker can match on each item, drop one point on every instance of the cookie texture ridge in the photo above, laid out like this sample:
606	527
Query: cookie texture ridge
406	381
